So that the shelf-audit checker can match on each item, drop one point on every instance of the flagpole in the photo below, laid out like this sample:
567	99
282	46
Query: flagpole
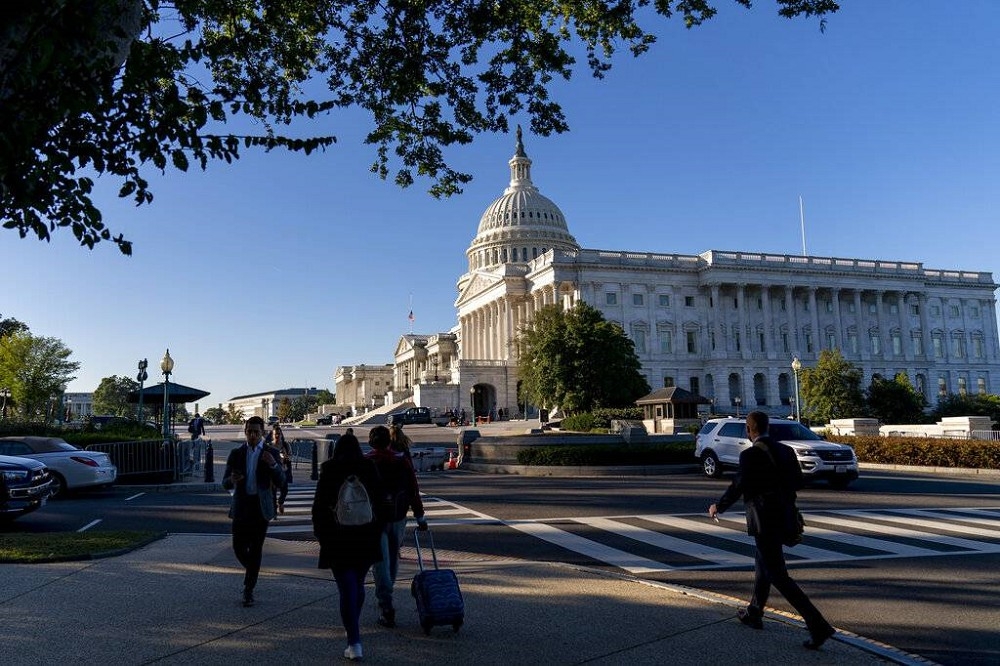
802	223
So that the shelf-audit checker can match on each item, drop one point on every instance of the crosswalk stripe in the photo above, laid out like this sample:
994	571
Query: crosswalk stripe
991	523
667	542
967	544
934	524
598	551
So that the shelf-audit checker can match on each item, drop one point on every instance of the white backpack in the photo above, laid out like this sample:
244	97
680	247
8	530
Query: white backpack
353	505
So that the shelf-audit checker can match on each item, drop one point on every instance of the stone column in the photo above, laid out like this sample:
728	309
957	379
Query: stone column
817	334
715	324
741	311
793	320
838	321
880	324
862	326
765	300
904	327
925	330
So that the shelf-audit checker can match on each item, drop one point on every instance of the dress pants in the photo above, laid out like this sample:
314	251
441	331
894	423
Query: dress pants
771	570
248	543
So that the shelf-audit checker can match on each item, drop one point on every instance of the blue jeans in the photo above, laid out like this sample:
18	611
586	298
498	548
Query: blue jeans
351	586
385	571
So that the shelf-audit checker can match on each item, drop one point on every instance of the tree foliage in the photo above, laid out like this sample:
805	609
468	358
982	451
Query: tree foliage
896	400
831	389
111	396
215	414
957	404
234	415
119	88
577	361
36	370
10	325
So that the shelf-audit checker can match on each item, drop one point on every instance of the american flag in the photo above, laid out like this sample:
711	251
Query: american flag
411	317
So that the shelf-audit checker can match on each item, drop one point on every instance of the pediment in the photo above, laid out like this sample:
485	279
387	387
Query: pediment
408	343
479	283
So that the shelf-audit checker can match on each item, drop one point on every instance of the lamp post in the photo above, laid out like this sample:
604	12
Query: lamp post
737	400
68	416
796	366
406	379
472	403
435	369
141	377
166	366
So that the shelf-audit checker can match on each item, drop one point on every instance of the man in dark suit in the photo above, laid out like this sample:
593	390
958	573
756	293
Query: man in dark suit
767	480
252	473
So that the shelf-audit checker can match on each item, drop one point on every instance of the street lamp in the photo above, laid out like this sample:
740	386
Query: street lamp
737	400
68	416
406	379
141	377
166	366
796	366
435	369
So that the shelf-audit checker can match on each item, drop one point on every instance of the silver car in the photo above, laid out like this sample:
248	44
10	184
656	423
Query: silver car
71	468
720	442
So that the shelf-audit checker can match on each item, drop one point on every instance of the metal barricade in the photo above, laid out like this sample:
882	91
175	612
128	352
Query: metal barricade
145	461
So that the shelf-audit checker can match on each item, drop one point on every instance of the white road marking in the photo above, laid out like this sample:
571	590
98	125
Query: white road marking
89	525
129	499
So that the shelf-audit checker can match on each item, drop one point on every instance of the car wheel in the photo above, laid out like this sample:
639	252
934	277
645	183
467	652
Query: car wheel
58	488
710	465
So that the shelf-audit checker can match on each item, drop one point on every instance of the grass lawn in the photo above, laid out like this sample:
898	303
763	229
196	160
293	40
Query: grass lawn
55	546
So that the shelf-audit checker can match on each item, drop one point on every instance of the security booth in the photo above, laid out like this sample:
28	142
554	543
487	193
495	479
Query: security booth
670	410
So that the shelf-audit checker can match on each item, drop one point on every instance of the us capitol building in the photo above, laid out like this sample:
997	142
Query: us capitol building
725	325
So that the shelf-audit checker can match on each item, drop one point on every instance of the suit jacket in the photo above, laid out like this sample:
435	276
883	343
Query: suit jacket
767	483
268	478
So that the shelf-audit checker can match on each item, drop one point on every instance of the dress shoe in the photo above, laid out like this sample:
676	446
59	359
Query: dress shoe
387	618
816	640
247	597
281	507
751	620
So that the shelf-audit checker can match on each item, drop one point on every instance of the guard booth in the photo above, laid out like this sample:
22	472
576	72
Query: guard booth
670	410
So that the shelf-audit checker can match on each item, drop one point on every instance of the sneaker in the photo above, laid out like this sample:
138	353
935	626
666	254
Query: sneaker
281	507
353	652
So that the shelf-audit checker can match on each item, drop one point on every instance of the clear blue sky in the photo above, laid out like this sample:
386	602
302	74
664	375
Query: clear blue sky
273	272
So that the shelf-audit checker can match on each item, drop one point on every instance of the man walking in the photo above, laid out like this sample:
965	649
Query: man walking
768	478
402	493
197	429
252	473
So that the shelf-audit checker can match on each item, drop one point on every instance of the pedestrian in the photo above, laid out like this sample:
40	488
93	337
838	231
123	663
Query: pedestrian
279	442
401	494
348	550
196	427
767	480
400	442
252	471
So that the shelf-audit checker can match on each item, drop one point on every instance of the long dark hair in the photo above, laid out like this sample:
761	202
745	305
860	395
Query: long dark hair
347	449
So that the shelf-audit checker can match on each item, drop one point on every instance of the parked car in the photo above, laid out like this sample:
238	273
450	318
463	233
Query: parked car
411	415
25	485
271	420
325	419
720	442
100	421
71	468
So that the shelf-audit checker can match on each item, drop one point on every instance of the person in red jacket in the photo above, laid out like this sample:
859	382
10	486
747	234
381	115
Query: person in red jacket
401	494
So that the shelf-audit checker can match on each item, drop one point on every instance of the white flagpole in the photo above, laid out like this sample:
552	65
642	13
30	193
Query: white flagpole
802	222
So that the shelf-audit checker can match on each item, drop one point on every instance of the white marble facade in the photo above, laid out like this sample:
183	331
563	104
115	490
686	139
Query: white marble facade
722	324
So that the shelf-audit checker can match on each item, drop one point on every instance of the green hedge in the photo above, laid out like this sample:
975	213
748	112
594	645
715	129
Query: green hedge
608	454
578	422
81	438
600	419
924	451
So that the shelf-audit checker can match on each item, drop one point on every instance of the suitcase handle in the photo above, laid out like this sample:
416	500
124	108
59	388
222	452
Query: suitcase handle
420	557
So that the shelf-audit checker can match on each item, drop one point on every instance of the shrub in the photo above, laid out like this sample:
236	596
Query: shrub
925	451
603	416
579	422
608	454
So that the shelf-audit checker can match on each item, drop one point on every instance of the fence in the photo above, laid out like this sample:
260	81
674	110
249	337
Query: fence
147	460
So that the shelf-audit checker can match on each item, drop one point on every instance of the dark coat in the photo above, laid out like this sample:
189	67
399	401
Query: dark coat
268	478
346	546
767	486
400	481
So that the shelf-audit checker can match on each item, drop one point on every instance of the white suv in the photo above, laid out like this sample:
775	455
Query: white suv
720	442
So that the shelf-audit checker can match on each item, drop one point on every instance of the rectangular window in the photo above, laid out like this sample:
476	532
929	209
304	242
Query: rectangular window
781	305
668	382
637	299
962	389
711	339
981	386
831	341
953	310
852	342
935	310
667	342
893	308
942	386
611	298
876	343
760	304
784	343
696	386
850	307
664	300
918	346
761	340
872	308
639	336
736	303
977	347
805	305
829	306
809	343
689	301
736	338
692	342
958	346
938	347
914	309
974	312
897	344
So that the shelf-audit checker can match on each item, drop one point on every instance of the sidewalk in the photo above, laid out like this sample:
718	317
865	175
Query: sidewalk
176	601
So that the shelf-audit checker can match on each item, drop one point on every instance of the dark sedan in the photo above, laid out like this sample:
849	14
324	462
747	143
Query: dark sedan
25	485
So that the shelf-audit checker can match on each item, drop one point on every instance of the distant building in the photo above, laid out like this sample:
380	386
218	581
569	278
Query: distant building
361	388
724	325
265	404
78	406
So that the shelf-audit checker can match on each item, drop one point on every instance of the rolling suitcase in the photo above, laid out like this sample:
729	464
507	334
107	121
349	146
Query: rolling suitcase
439	599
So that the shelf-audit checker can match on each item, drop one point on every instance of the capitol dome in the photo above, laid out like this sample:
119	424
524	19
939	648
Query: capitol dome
521	224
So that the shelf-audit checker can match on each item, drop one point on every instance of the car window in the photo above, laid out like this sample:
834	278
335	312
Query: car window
707	428
734	430
790	431
51	446
15	449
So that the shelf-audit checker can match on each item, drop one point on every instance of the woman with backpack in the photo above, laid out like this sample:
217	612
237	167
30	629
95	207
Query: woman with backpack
347	525
279	442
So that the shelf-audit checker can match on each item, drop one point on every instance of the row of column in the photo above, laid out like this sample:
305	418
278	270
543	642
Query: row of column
489	332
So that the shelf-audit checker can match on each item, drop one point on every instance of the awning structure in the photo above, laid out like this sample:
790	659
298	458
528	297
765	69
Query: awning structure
176	394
